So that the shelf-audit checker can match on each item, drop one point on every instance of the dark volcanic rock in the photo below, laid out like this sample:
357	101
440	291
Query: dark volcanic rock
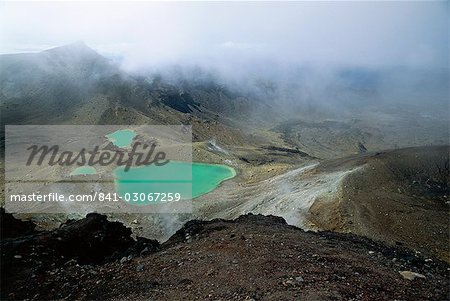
140	247
203	228
91	240
259	219
13	227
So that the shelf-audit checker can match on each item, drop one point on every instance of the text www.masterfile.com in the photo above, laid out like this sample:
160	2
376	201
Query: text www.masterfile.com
97	197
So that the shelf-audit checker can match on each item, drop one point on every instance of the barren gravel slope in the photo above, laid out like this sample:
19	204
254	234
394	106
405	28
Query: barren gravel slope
398	197
252	258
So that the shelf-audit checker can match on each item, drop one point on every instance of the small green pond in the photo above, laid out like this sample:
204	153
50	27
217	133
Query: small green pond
191	180
121	138
83	170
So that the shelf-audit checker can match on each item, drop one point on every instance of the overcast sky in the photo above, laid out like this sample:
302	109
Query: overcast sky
369	33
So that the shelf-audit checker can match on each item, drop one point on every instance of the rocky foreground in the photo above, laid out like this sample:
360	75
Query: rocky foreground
254	257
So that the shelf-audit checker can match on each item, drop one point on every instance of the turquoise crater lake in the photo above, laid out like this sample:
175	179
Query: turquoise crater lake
83	170
121	138
191	180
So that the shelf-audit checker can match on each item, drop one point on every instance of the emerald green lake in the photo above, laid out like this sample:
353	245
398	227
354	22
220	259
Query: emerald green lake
191	180
83	170
121	138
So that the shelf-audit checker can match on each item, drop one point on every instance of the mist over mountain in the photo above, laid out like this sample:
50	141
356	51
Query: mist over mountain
313	60
74	84
333	90
75	73
50	83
